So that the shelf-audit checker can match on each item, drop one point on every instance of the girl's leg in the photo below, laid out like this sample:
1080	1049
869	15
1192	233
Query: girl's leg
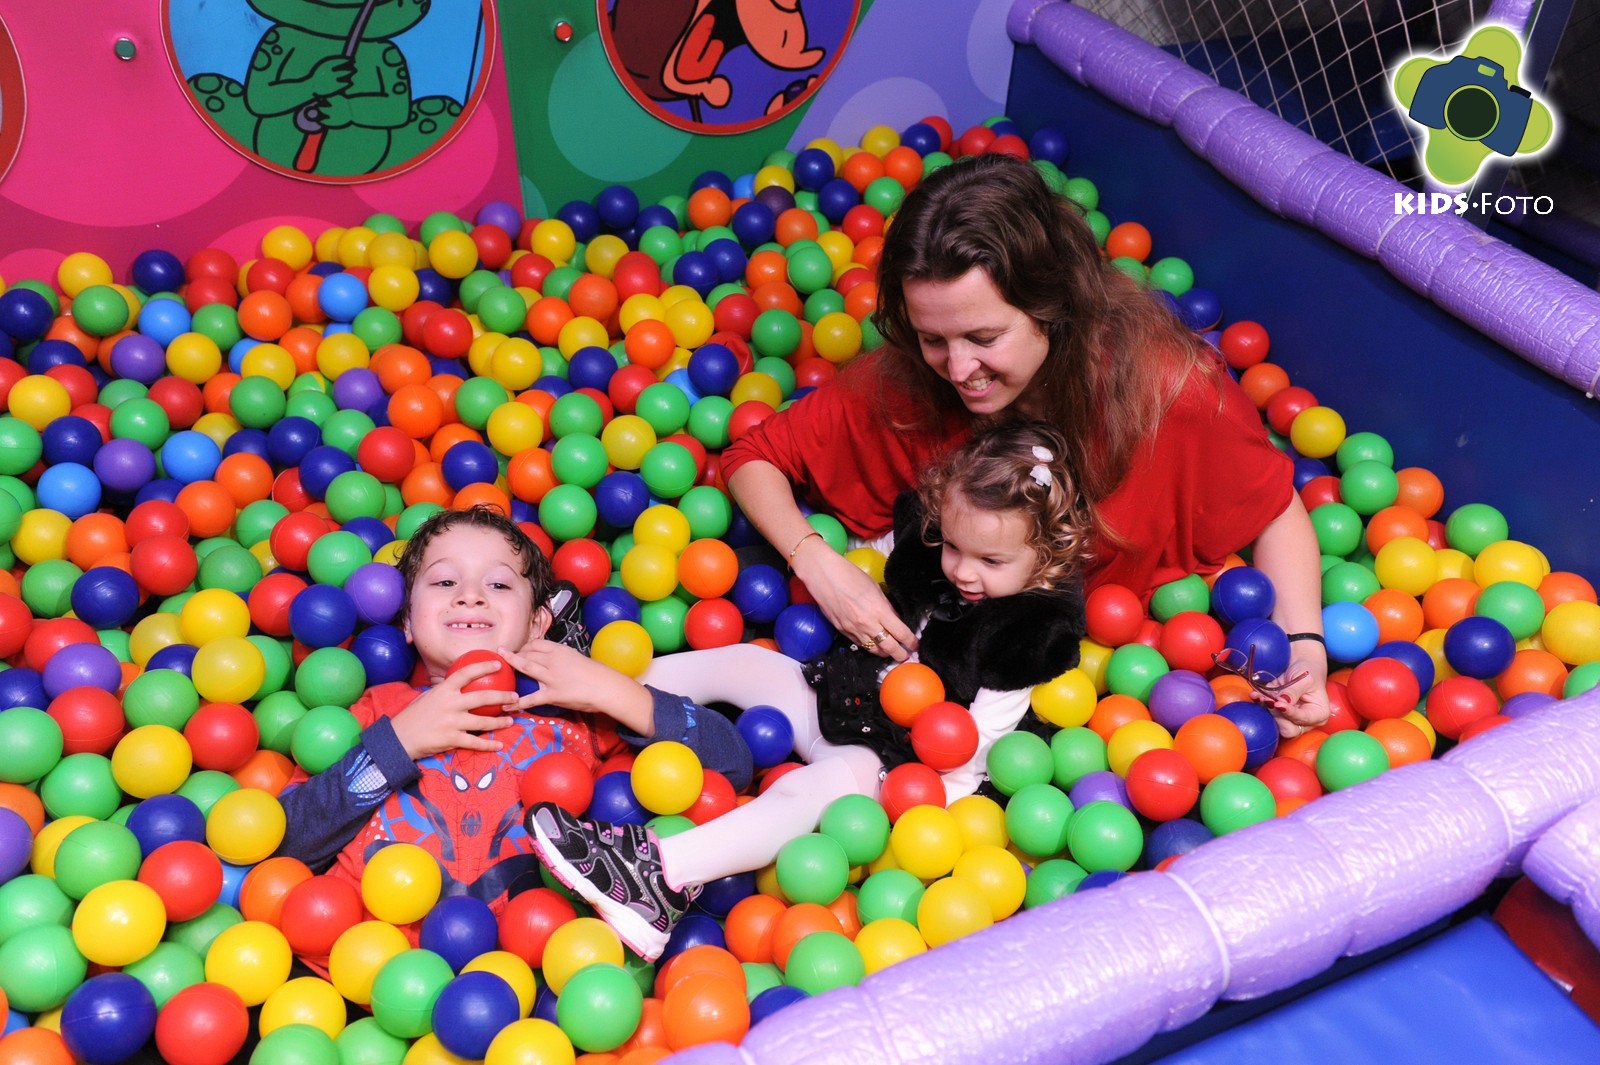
745	676
750	837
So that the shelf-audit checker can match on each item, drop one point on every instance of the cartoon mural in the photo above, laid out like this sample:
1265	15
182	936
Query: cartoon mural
333	90
724	66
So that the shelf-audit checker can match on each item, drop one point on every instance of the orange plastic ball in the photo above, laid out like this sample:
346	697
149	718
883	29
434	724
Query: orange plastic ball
797	922
750	927
909	689
707	569
1212	744
1114	711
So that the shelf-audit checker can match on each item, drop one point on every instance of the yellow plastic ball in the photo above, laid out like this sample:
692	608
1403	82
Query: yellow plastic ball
42	536
691	322
245	826
831	146
1068	701
926	842
667	777
627	438
118	923
624	646
48	841
877	865
1406	564
1419	719
880	141
213	614
359	952
453	254
217	426
250	958
639	307
758	386
39	400
82	270
1132	740
839	248
514	427
1571	632
888	940
391	249
1510	560
553	239
774	175
676	294
1317	432
581	942
981	821
309	1000
327	244
353	245
679	361
516	364
194	357
427	1050
269	361
151	760
1092	659
289	245
401	883
229	670
513	970
868	560
579	333
152	634
530	1042
262	552
1432	642
340	352
390	552
837	337
951	909
1453	563
649	572
603	253
481	350
767	882
394	287
662	525
997	874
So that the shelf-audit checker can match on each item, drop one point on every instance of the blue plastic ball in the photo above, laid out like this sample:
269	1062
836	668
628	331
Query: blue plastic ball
21	686
753	223
582	218
162	321
233	883
681	380
760	592
1100	879
434	286
322	616
812	169
108	1018
24	314
591	367
693	930
373	532
70	439
178	657
768	734
620	497
923	138
1415	658
714	370
469	462
1260	730
189	456
803	632
655	215
556	386
1267	639
719	896
459	929
470	1012
1200	309
607	605
342	296
165	489
711	179
1242	593
1480	647
383	652
320	466
163	819
614	801
105	597
72	489
1048	144
774	999
618	206
1307	470
836	198
247	441
1172	838
291	439
157	270
544	1004
730	259
1350	630
697	270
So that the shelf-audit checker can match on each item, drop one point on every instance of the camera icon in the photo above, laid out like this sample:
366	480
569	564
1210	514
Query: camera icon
1472	99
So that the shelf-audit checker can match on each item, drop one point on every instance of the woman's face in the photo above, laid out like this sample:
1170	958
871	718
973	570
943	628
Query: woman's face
971	337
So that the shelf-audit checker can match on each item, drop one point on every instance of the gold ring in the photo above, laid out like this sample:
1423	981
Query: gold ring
869	644
881	637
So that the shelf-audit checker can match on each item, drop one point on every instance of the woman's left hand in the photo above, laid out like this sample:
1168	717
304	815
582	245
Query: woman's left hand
1304	705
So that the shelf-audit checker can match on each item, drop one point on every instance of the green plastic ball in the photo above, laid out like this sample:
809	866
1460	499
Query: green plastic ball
1514	605
198	934
168	969
501	310
668	470
1350	757
231	568
219	323
1368	487
1037	818
665	407
355	494
759	977
1104	835
1235	800
366	1043
599	1007
278	660
330	676
33	900
314	407
20	446
258	402
478	397
323	736
1052	880
295	1044
204	787
663	621
1474	526
336	555
889	893
575	413
775	334
81	784
1583	678
1338	527
439	222
1348	582
1364	447
413	516
96	853
1132	268
859	824
813	868
579	459
1018	760
1133	669
708	421
1181	596
100	310
567	512
708	511
1099	225
823	961
32	742
47	587
1172	275
40	967
1083	192
405	989
160	697
1075	753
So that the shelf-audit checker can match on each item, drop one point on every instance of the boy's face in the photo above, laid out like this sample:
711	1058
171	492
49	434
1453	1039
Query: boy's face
470	595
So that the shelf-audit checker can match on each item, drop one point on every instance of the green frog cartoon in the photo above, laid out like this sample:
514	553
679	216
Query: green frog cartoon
328	92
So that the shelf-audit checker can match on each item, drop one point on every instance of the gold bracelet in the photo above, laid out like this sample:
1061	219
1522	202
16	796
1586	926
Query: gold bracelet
796	549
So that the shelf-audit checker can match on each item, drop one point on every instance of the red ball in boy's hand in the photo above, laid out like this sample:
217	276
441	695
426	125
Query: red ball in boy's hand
502	679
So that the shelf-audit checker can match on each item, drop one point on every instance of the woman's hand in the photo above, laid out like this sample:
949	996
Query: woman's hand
442	719
574	681
853	602
1303	705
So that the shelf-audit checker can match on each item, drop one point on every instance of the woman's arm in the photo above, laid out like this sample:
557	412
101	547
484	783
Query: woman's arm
852	601
1287	552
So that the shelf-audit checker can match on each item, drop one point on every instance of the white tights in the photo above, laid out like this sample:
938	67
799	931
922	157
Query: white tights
750	836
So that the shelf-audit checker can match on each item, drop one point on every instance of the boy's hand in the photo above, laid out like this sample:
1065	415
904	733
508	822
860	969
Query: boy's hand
572	680
441	718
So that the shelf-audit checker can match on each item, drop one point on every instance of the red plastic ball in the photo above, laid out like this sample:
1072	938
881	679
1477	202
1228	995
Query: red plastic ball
746	416
584	563
713	623
975	141
164	565
944	736
78	382
736	313
289	493
155	517
626	384
48	637
447	333
1289	779
387	454
1341	715
1244	344
1008	144
292	538
530	919
529	271
1320	491
91	720
1383	688
269	602
316	912
1285	406
494	245
187	875
912	784
503	679
208	290
211	262
1188	641
775	774
222	736
181	399
1115	615
16	625
560	777
716	798
1456	702
1162	785
204	1024
269	275
814	372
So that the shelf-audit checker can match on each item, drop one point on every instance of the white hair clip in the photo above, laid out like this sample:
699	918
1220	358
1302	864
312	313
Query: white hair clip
1043	454
1041	474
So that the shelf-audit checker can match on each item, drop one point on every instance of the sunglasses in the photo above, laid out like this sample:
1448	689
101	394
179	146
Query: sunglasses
1243	664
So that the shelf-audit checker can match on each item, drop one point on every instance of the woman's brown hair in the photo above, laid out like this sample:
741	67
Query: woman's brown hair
1117	358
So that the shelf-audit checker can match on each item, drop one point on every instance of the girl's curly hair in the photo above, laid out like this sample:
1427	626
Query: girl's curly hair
1018	466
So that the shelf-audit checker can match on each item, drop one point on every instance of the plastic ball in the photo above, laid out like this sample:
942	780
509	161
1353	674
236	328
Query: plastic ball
459	929
406	989
245	826
560	777
108	1018
944	736
1348	758
252	959
1235	800
768	734
204	1024
401	883
471	1010
667	777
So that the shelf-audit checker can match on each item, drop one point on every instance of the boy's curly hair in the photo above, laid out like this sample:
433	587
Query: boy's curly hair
1002	469
535	567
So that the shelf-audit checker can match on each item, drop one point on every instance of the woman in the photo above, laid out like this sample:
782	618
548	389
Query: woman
996	303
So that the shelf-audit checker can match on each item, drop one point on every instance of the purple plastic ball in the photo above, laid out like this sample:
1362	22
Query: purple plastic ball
502	214
357	389
1178	696
1100	786
16	843
377	590
1524	703
138	358
81	665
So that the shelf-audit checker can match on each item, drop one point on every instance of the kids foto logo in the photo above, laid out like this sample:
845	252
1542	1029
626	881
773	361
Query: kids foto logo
1471	105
